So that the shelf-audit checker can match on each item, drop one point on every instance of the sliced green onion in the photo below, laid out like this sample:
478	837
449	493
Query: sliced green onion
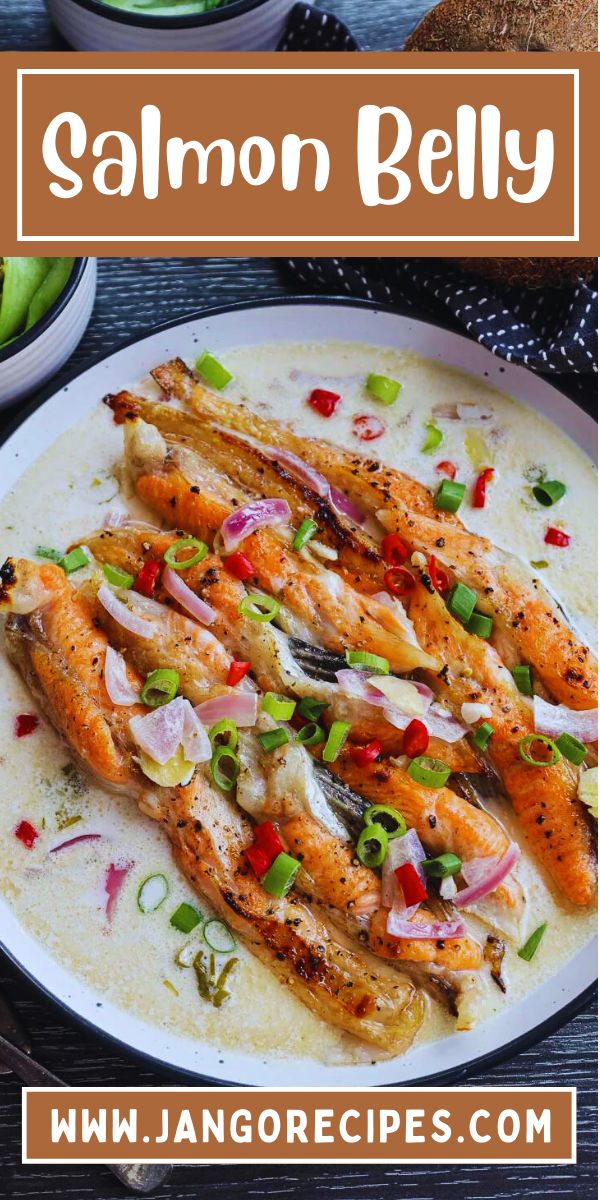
371	662
74	560
212	371
392	821
450	495
482	735
153	892
528	950
433	438
384	389
117	577
160	687
199	550
528	741
306	531
278	707
540	563
571	748
273	739
442	866
311	734
259	607
480	624
281	875
522	677
49	552
225	767
461	602
337	736
224	733
549	492
429	772
312	709
372	845
185	918
219	937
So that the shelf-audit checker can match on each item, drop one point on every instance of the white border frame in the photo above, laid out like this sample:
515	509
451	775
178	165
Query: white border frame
269	239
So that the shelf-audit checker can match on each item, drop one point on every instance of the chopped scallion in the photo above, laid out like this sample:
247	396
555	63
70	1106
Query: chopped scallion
429	772
74	560
480	624
273	739
311	734
337	736
117	577
383	388
549	492
225	767
152	893
50	553
281	875
212	371
224	733
392	821
312	709
482	735
571	748
442	866
185	918
461	602
306	531
372	845
259	607
522	677
433	438
450	495
160	687
529	741
197	552
278	707
371	662
219	937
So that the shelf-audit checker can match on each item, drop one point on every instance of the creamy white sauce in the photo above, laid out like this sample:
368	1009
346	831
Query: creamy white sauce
69	490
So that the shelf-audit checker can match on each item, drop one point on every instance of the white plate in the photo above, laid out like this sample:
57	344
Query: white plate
305	320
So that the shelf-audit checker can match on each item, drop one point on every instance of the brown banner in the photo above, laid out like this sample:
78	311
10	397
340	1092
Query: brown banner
432	154
299	1125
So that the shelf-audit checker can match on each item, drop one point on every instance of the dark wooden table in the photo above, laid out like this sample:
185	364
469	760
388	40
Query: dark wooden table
377	24
133	295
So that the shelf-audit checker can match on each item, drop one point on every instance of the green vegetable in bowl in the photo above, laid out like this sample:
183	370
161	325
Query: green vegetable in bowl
28	288
167	8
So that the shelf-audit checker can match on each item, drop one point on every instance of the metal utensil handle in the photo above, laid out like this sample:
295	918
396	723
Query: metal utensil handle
140	1178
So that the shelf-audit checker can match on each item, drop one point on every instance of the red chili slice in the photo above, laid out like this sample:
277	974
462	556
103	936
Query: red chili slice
399	581
26	834
239	565
324	402
367	428
363	755
258	859
267	839
147	576
557	537
394	551
438	576
236	672
447	468
25	724
479	488
412	888
416	739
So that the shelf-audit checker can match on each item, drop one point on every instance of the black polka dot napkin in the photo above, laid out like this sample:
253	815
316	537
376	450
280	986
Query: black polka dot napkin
310	28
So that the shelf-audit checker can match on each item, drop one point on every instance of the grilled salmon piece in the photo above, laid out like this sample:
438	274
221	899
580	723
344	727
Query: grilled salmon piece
59	650
528	619
178	485
457	954
544	798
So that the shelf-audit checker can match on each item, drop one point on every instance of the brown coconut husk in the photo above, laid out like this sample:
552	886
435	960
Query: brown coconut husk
567	25
529	272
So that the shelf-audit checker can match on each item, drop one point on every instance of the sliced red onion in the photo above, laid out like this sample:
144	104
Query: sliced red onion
344	505
407	849
116	519
554	719
239	707
473	412
160	733
259	514
439	724
81	837
116	682
193	604
472	712
300	470
195	741
113	882
484	875
122	615
398	926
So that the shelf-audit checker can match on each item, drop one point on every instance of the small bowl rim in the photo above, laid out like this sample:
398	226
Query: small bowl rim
22	341
192	21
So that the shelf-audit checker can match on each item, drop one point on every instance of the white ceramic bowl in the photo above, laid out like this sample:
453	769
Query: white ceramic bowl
556	999
37	355
240	25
